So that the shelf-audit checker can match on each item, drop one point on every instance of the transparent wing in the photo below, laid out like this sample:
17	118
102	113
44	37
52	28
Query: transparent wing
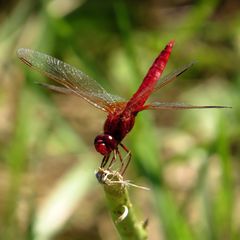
55	88
172	76
162	82
65	90
70	77
175	106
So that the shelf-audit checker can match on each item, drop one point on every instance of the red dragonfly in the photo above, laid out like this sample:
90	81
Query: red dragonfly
121	113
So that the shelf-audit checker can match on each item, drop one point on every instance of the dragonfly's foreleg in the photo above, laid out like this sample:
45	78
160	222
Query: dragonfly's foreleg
112	160
105	160
129	156
121	159
116	153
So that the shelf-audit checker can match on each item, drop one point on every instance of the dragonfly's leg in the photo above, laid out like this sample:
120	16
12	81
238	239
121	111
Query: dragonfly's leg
129	156
121	159
105	160
112	160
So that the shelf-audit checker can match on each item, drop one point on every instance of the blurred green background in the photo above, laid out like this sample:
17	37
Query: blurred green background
189	159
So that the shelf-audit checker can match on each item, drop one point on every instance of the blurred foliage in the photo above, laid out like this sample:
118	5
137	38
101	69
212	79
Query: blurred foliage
189	159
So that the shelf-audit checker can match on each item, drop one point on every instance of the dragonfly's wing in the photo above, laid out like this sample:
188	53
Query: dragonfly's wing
175	106
55	88
165	80
172	76
65	90
70	77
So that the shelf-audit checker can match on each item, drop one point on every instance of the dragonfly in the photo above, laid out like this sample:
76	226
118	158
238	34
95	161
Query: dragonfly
121	113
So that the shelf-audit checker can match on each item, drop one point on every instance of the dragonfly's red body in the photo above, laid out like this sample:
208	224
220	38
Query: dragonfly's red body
121	113
121	120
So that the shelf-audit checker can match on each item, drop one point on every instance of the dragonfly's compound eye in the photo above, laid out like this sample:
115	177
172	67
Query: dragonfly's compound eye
105	144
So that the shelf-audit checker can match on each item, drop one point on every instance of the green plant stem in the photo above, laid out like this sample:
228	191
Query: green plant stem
120	207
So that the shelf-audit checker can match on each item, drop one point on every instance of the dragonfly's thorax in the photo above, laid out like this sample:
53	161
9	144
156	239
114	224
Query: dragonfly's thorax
119	124
105	144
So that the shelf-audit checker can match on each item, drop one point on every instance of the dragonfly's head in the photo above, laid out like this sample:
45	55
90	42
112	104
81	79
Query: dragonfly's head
105	144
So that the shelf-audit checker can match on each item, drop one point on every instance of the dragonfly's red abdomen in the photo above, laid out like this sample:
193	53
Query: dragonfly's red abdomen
150	80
